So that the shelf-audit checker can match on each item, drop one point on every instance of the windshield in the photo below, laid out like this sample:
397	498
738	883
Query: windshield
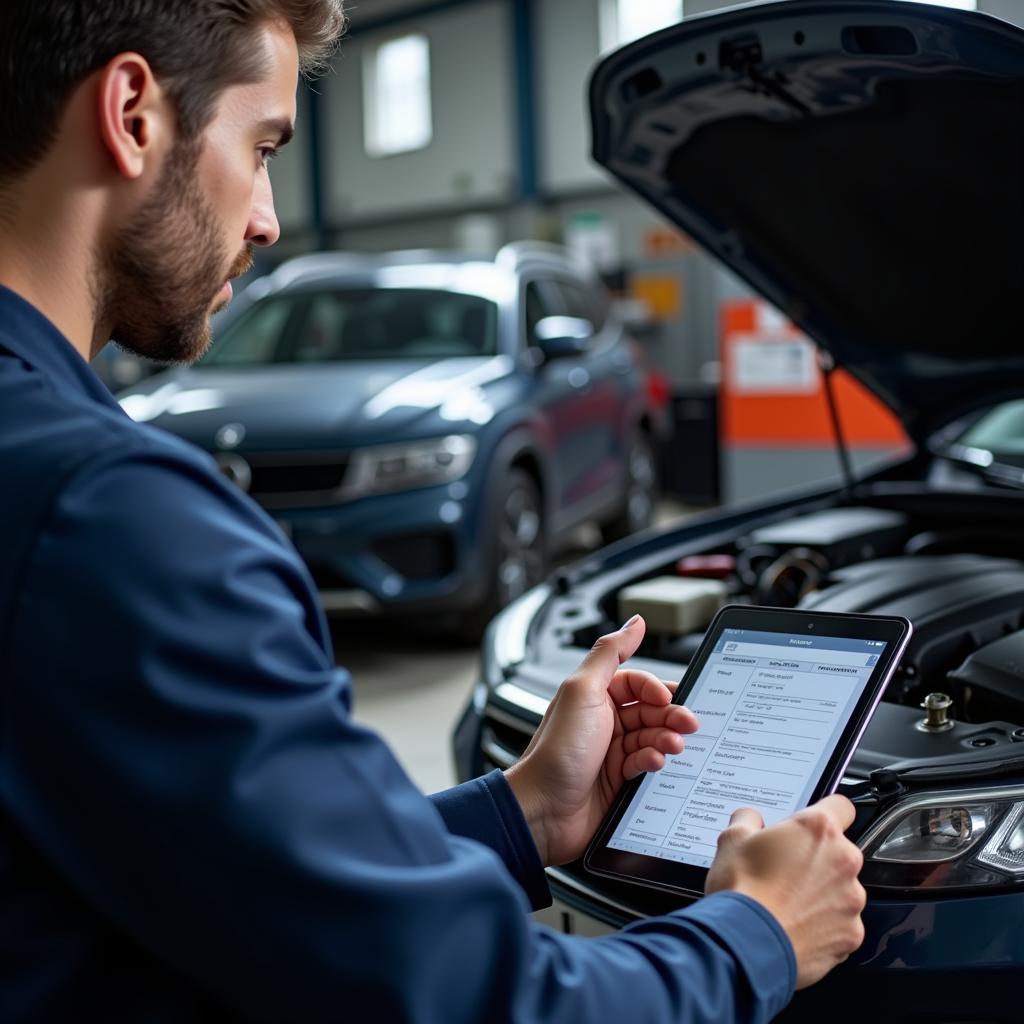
343	324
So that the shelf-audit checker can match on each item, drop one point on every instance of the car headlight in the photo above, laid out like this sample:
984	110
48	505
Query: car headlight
399	467
967	839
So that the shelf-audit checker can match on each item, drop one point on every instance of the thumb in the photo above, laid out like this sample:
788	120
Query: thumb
610	651
743	823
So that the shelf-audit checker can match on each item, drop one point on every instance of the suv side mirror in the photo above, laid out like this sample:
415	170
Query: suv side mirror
559	337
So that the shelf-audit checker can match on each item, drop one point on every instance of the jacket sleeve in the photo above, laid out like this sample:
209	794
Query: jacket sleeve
177	742
486	810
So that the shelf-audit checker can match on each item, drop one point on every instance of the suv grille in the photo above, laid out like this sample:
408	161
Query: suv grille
286	479
269	479
503	740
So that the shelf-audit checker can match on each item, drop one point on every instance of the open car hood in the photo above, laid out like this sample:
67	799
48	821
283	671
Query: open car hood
861	165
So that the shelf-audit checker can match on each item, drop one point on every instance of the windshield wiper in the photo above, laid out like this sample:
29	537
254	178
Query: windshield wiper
983	462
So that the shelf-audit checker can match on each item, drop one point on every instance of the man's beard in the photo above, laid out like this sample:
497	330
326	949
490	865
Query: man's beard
158	280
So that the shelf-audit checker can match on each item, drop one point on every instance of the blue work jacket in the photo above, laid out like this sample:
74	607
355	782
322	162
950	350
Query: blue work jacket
193	827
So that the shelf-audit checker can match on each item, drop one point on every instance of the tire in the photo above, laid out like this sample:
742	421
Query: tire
516	549
637	511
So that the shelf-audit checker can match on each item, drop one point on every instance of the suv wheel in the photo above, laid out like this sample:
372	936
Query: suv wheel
518	548
641	491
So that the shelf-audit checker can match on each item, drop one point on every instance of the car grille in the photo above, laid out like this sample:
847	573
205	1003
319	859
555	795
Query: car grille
272	480
291	480
503	738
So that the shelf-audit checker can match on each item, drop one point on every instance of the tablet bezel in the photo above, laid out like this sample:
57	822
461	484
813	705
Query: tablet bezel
689	879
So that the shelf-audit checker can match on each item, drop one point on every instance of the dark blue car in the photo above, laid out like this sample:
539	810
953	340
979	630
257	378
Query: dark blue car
860	165
426	428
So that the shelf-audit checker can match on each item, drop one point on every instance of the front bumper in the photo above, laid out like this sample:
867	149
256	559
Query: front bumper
392	552
938	962
929	962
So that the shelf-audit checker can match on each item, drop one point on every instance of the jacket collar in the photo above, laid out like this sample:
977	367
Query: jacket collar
27	334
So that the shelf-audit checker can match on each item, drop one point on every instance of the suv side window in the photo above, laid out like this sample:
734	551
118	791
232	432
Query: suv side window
542	299
581	302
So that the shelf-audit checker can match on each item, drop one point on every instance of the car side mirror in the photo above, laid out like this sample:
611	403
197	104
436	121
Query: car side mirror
561	337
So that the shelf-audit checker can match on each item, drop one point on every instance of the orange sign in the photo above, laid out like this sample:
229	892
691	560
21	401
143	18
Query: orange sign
773	393
661	293
661	241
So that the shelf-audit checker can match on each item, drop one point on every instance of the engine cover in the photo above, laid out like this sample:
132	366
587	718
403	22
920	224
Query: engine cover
990	682
957	603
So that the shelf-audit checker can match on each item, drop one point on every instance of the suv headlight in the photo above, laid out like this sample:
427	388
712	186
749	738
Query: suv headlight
967	839
399	467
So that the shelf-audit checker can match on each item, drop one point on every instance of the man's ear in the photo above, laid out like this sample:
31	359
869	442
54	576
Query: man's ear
132	113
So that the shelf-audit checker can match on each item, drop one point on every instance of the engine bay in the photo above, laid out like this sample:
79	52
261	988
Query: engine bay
964	597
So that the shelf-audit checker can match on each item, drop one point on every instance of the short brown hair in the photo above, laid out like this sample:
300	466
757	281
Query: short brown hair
196	49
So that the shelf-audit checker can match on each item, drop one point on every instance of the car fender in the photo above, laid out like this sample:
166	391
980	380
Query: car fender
518	444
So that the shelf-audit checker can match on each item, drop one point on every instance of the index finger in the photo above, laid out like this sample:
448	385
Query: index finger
743	823
839	809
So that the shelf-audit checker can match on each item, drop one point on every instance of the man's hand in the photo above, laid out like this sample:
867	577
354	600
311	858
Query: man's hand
804	871
604	726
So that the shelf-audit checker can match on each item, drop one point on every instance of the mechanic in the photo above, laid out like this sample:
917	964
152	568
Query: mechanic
193	827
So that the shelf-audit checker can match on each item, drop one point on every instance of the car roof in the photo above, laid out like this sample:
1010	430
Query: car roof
515	258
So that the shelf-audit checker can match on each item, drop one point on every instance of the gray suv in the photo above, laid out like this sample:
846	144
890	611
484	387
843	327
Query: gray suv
426	427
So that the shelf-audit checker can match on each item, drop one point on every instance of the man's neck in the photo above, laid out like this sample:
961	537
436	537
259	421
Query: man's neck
54	303
46	258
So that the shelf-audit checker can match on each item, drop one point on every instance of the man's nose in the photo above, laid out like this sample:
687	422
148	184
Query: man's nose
263	228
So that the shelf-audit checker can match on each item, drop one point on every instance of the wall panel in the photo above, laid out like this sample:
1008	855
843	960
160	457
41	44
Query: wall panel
471	158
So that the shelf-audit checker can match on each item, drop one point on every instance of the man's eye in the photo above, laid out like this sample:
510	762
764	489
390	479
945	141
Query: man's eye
267	153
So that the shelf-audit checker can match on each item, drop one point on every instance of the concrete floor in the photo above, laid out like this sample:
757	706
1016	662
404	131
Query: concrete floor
411	688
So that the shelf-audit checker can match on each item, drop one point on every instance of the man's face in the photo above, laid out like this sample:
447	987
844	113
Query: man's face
167	271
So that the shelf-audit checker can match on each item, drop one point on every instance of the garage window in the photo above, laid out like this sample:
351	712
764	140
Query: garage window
622	21
396	94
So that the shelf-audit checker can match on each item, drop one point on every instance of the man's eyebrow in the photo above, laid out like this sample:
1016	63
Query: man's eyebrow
282	126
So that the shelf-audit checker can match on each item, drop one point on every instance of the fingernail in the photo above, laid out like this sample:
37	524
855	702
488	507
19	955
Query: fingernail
632	622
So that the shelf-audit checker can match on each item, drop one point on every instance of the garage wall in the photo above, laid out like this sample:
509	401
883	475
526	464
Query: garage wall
470	159
567	45
1009	10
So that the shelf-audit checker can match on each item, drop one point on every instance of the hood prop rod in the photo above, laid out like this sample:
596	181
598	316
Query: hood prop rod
828	367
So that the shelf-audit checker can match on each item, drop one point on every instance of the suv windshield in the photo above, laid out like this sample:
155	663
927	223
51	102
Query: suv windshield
358	323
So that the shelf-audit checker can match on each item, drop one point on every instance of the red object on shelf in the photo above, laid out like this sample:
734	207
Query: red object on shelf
659	390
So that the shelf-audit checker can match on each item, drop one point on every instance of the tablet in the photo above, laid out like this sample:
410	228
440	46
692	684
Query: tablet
783	698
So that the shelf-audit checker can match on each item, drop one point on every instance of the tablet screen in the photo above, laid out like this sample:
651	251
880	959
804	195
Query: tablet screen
772	707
